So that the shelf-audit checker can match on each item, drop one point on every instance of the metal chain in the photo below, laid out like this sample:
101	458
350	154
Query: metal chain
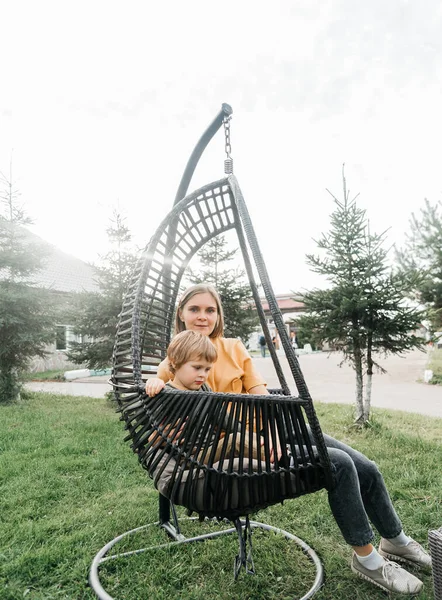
228	163
228	146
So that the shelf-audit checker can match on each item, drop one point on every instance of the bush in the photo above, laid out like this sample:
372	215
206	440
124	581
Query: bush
435	364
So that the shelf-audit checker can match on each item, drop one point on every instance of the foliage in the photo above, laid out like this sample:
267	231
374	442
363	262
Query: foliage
364	310
26	313
435	364
240	316
422	255
95	314
84	486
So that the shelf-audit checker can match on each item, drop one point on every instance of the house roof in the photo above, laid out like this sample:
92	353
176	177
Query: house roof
61	272
285	302
66	273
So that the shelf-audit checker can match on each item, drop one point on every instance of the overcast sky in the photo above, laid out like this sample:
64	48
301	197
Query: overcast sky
101	104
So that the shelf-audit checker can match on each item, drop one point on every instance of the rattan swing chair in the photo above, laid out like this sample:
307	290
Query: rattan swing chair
165	430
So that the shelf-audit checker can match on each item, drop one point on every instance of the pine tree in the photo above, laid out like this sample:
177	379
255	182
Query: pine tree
363	312
421	258
95	314
26	315
240	316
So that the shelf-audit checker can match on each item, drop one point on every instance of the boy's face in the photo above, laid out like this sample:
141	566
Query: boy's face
191	375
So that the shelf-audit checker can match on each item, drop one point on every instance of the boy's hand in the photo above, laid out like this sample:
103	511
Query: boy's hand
154	386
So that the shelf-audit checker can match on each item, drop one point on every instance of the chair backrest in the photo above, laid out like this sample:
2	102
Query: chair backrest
145	325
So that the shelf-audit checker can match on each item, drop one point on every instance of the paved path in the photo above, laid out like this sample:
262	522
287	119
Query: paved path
397	389
94	387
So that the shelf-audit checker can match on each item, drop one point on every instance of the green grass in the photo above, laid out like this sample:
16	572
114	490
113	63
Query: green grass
435	364
69	484
55	374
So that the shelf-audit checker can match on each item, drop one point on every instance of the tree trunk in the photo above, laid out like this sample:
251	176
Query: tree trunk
367	402
10	386
359	417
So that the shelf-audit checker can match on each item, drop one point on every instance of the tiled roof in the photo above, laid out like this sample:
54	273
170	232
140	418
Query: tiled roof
285	303
61	272
65	273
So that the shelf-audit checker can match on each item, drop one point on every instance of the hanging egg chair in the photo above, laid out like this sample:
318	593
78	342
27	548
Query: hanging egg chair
167	432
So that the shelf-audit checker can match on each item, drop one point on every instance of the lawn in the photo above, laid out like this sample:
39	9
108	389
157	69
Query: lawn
52	375
69	484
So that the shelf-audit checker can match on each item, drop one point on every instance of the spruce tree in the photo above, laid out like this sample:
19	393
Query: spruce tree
240	315
421	258
95	314
364	310
26	315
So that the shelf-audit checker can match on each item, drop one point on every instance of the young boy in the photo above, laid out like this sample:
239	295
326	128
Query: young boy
191	356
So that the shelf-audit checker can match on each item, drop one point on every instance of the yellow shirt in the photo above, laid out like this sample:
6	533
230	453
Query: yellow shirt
233	371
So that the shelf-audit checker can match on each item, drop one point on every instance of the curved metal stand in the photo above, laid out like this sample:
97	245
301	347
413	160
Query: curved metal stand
178	538
226	111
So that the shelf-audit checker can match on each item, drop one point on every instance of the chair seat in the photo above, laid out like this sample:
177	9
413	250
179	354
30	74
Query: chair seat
228	494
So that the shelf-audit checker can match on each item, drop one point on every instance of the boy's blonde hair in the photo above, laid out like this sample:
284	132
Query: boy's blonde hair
190	345
193	290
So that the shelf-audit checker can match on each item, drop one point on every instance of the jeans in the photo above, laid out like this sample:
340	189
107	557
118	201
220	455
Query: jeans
359	495
263	351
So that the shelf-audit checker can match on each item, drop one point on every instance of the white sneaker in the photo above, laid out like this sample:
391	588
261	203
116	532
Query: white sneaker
411	554
390	577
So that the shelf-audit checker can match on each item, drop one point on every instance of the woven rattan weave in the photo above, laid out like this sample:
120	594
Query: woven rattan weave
435	543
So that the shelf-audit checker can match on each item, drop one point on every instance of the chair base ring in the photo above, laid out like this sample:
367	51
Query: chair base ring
178	538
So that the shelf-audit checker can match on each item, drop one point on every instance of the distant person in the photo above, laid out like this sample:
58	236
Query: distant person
294	337
262	345
274	341
295	344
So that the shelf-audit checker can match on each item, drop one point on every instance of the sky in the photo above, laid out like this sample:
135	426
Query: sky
101	104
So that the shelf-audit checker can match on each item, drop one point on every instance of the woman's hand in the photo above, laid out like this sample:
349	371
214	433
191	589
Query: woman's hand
154	386
275	452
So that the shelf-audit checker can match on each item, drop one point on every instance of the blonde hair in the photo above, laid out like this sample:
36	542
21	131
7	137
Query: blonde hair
201	288
190	345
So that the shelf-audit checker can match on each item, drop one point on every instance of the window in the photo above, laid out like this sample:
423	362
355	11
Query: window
60	337
64	336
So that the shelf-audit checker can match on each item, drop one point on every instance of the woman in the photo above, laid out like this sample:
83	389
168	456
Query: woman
359	494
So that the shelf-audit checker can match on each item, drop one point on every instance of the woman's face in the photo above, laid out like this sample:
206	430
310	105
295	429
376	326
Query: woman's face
200	313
